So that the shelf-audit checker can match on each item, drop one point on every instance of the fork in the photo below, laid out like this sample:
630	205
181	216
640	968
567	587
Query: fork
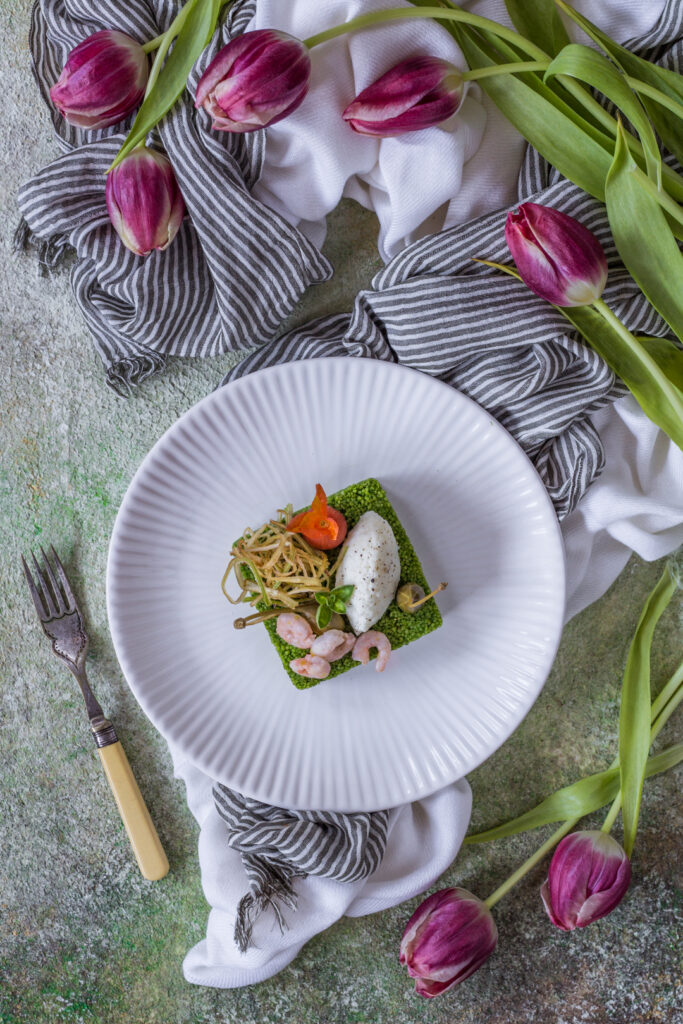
62	623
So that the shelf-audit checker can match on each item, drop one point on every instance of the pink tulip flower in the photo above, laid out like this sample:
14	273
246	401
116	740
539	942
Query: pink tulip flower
144	202
588	876
558	258
255	80
448	938
103	80
415	94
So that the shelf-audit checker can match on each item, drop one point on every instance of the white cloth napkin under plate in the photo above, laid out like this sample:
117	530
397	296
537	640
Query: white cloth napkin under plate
423	839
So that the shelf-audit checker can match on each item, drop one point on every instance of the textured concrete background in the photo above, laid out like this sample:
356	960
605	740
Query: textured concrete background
83	937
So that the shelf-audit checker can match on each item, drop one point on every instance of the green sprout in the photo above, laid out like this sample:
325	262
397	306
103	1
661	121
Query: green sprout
333	601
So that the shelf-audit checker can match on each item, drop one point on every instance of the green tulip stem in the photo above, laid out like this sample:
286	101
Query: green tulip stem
612	814
667	388
153	44
531	862
505	69
663	707
165	43
436	14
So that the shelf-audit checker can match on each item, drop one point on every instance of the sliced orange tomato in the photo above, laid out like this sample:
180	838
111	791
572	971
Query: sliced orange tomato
322	526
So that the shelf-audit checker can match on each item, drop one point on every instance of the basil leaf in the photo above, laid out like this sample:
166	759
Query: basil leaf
634	717
344	592
595	70
539	21
337	605
195	32
323	616
644	238
321	598
579	799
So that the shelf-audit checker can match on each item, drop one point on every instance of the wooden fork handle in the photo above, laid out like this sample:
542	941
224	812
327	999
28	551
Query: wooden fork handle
133	810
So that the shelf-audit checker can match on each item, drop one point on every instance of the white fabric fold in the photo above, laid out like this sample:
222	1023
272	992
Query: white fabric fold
635	505
313	156
423	839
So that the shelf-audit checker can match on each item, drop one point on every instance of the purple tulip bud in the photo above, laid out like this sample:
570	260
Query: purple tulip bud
417	93
257	79
144	202
448	938
558	258
588	876
103	80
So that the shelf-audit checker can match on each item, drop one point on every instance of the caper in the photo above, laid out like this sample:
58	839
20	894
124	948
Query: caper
411	596
407	595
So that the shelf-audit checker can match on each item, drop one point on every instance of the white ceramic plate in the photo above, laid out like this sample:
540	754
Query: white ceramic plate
477	514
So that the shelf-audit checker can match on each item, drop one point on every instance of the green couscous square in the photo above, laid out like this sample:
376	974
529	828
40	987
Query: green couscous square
399	627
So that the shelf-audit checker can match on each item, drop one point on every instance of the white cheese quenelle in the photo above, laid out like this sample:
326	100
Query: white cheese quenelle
372	565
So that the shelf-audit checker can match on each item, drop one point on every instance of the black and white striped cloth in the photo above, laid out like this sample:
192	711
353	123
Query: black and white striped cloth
234	271
277	845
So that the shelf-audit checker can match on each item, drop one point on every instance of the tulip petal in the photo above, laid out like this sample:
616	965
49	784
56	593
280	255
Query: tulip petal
588	876
557	257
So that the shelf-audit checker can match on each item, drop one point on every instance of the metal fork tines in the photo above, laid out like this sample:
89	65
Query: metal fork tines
62	623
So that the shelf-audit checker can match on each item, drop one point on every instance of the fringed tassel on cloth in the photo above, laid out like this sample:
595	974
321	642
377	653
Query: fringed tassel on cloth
49	251
277	891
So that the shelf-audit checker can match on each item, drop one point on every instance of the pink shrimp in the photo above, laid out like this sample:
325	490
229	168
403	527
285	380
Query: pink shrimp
365	643
333	644
311	666
294	630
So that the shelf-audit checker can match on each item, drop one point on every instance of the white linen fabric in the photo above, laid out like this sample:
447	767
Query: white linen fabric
423	838
313	157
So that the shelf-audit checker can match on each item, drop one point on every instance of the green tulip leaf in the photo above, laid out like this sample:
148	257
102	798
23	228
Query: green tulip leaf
539	21
634	717
643	237
323	616
579	799
645	375
546	133
668	356
579	150
196	29
595	70
666	123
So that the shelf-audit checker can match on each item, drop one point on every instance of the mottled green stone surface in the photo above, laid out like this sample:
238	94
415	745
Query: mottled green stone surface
83	937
